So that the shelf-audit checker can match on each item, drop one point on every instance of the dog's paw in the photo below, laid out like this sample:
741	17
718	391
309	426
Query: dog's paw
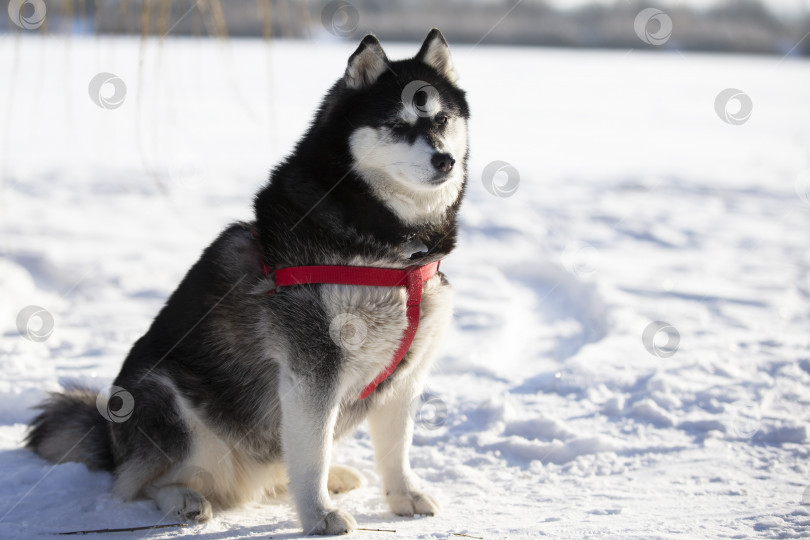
414	502
334	522
342	479
193	507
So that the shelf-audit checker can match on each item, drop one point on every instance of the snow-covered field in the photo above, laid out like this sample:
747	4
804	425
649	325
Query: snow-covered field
636	203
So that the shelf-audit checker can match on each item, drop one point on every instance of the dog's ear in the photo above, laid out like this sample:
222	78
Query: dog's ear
366	64
436	53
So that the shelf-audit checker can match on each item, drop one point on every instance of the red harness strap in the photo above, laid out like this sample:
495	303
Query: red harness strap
411	278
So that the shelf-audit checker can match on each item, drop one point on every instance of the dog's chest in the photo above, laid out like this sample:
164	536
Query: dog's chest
368	323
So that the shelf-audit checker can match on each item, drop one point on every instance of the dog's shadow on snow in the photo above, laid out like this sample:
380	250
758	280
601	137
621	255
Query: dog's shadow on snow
291	529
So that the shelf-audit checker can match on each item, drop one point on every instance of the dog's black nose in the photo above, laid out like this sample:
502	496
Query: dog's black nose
442	161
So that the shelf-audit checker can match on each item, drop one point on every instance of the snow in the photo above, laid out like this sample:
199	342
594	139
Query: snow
548	416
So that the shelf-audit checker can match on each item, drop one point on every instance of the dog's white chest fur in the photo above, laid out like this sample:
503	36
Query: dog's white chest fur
368	324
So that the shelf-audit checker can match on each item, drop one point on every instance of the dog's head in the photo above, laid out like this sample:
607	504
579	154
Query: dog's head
408	135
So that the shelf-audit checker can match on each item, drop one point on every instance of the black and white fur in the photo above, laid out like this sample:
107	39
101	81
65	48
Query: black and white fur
237	394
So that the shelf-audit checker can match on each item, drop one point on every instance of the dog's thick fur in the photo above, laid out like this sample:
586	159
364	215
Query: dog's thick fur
236	393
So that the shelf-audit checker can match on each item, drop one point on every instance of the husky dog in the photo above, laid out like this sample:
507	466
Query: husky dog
239	387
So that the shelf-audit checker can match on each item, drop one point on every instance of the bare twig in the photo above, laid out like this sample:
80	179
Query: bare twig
377	530
466	535
128	529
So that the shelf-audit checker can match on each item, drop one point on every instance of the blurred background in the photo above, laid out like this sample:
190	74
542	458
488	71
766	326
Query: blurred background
753	26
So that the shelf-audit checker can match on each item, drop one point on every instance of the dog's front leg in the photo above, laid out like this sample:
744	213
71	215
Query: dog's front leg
391	427
308	415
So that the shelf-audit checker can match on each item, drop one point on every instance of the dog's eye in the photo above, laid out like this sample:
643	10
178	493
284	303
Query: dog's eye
441	119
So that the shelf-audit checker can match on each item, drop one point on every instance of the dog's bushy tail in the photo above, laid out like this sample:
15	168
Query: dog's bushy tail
70	428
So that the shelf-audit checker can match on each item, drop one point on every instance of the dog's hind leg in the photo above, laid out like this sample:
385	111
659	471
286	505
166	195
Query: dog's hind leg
152	446
342	479
182	501
309	415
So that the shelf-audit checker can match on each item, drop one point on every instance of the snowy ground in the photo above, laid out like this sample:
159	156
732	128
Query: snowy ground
636	204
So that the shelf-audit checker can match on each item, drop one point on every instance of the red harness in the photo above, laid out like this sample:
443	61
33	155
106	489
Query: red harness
411	278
